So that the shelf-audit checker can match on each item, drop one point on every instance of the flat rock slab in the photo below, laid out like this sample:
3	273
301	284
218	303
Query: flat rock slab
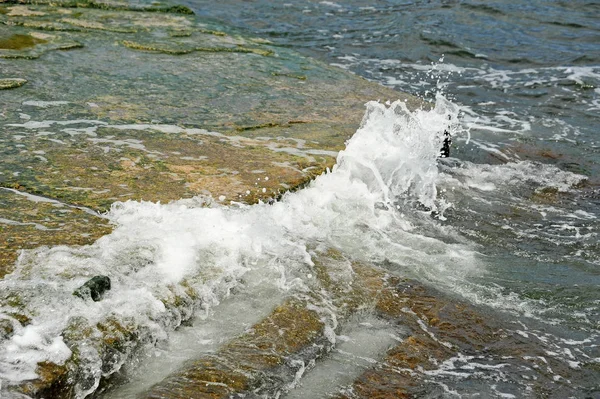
448	336
145	101
31	221
436	333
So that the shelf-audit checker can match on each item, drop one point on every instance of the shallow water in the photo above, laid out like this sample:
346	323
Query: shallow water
514	229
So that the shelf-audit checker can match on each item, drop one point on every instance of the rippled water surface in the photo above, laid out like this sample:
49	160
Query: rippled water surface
524	72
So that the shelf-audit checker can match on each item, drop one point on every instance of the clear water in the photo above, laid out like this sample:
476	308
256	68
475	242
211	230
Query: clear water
518	202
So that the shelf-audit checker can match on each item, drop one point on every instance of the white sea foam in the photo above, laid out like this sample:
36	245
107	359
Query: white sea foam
513	175
490	117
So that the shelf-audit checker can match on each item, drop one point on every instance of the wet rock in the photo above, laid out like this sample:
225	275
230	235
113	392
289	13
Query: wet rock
266	360
19	42
31	221
22	11
149	127
94	288
11	83
199	111
6	329
440	329
258	361
52	383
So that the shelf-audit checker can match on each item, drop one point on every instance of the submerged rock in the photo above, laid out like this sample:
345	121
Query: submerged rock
6	329
11	83
24	44
30	221
442	331
19	42
94	288
267	359
168	116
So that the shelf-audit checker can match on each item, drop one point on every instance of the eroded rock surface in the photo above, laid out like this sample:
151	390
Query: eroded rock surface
274	353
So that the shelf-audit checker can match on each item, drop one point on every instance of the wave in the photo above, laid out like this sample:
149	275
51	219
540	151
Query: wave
380	203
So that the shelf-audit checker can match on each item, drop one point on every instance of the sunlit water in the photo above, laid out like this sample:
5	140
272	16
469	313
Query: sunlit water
516	207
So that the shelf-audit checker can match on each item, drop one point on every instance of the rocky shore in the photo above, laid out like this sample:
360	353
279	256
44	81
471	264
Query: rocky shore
115	101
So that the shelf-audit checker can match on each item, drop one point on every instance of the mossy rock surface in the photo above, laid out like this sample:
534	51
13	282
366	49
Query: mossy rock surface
11	83
18	42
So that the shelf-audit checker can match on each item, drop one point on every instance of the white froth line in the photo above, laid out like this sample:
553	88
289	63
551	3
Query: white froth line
330	3
37	198
448	390
491	150
219	384
502	394
15	223
45	104
46	124
302	153
493	129
237	141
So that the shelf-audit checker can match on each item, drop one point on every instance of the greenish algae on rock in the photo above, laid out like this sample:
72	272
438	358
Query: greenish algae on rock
19	42
11	83
113	5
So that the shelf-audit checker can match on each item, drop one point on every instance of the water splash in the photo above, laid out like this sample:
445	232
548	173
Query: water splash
399	161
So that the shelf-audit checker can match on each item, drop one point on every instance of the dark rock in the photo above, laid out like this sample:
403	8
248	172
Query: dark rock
445	150
93	288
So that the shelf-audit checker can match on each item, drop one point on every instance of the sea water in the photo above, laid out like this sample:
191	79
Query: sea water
508	223
526	76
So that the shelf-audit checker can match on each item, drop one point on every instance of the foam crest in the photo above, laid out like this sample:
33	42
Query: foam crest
394	152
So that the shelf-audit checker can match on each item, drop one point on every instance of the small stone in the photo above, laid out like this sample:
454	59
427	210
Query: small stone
6	329
93	288
11	83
